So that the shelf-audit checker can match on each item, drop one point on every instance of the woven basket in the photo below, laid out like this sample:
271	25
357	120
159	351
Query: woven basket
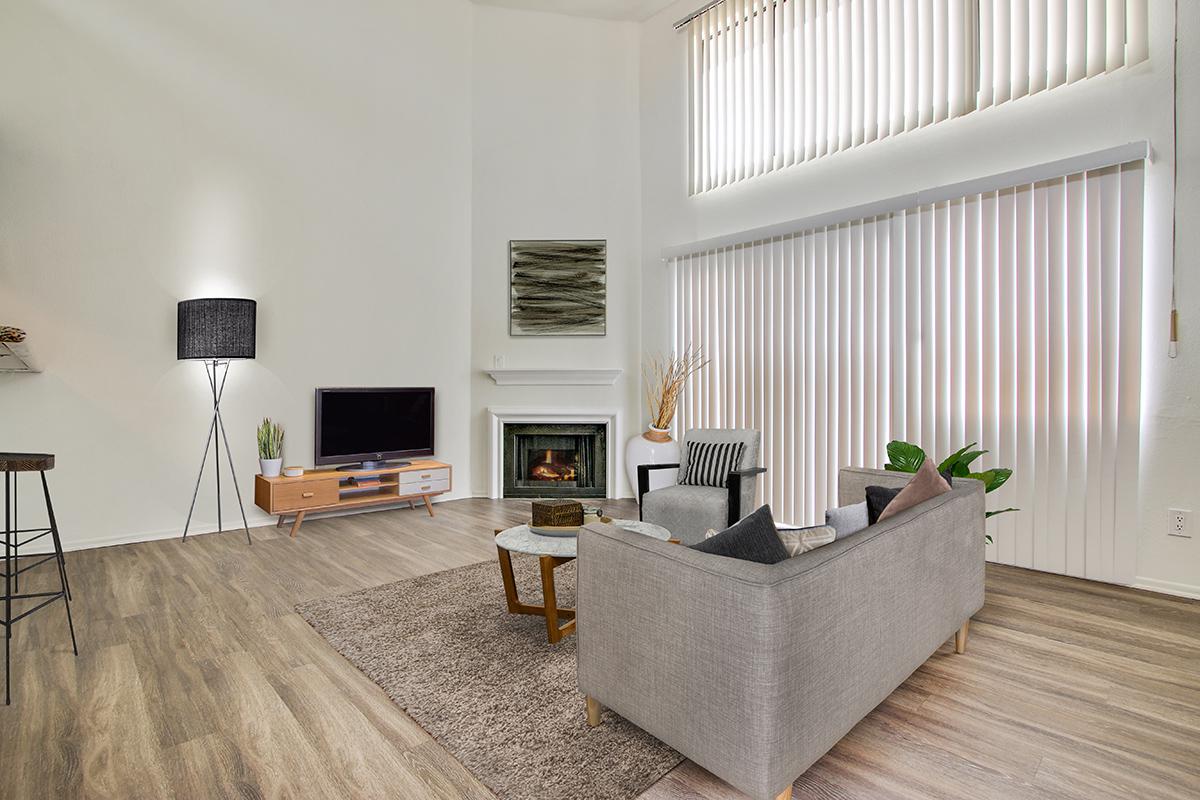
557	513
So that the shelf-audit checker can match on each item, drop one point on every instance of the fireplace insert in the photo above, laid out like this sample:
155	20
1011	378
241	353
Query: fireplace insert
555	460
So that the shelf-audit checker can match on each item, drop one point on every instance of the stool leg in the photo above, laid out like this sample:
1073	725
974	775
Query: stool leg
16	539
8	568
62	568
62	560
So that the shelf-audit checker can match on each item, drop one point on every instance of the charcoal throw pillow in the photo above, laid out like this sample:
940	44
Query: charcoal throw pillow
752	539
709	463
877	499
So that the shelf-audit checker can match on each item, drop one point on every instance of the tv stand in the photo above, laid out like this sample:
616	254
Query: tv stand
339	489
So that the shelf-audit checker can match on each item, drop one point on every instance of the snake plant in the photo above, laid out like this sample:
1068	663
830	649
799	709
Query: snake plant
270	440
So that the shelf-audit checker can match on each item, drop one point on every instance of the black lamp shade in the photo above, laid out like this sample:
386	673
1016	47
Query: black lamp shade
216	328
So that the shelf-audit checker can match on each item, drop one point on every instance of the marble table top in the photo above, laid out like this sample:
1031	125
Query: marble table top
522	540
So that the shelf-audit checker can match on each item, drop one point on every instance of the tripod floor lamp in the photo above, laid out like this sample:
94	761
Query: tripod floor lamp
215	331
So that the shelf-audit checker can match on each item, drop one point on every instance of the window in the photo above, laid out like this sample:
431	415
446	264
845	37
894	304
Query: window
1009	317
779	82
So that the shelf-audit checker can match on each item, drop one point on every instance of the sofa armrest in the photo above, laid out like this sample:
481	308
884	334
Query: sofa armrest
853	482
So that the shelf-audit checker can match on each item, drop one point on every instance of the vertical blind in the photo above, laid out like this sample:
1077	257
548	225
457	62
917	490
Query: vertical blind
1010	318
777	82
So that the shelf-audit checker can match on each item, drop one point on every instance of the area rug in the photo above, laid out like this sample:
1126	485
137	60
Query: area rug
487	685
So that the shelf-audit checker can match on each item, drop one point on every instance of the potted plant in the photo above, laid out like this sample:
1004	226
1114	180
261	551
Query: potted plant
270	448
665	377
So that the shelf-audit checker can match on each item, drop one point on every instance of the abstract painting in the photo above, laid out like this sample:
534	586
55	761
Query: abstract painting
557	288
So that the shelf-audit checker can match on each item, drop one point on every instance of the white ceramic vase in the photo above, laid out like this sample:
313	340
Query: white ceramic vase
270	467
655	446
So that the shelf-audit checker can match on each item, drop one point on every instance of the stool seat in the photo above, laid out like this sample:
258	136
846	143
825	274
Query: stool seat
26	462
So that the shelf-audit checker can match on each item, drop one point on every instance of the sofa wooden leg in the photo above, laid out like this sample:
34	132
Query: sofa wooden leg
786	794
593	712
960	638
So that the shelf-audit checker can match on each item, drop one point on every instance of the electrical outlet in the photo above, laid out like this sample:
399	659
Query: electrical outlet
498	362
1179	523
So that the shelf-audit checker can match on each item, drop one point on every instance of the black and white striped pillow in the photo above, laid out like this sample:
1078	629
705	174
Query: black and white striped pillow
709	463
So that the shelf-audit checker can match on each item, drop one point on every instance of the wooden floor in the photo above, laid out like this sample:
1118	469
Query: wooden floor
195	679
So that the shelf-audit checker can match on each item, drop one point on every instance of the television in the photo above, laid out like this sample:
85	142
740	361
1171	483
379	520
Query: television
367	427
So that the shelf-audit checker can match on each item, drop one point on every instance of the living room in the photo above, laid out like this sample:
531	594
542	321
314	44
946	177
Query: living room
456	270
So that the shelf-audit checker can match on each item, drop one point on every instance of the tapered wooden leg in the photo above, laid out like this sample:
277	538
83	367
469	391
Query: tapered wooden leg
786	794
279	524
593	712
296	523
549	599
428	505
510	584
960	638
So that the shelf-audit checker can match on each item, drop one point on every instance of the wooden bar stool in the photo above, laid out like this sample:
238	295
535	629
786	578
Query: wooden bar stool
10	465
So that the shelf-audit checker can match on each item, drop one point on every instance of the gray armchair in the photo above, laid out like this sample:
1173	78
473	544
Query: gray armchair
688	511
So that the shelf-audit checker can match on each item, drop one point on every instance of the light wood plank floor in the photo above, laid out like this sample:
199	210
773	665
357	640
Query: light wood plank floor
195	679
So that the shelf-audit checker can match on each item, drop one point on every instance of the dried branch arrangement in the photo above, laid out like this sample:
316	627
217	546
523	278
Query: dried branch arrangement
665	377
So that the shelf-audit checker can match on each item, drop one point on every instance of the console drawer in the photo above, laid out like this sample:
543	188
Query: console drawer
422	477
425	487
308	494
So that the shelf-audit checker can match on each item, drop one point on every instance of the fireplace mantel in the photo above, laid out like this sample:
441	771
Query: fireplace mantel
609	417
554	377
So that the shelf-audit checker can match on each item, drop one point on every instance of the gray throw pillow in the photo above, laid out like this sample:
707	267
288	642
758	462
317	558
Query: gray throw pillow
752	539
846	520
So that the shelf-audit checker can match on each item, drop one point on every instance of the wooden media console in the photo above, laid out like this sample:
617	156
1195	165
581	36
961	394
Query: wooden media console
330	489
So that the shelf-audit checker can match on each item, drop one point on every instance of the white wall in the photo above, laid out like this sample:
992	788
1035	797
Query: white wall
1131	105
310	156
555	156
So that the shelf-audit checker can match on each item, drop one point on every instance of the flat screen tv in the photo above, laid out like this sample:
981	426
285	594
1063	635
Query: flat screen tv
371	426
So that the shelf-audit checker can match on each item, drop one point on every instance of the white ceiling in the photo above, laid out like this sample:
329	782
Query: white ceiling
599	9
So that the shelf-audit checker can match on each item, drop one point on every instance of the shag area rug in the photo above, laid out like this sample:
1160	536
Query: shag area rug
487	685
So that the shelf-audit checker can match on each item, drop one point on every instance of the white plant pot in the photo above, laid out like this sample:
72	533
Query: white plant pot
270	467
655	446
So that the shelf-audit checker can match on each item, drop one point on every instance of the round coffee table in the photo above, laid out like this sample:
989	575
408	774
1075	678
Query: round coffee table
552	551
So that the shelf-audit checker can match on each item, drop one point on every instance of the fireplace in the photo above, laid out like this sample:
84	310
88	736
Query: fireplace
555	460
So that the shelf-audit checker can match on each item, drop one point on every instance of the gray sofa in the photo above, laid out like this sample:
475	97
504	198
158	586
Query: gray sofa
755	671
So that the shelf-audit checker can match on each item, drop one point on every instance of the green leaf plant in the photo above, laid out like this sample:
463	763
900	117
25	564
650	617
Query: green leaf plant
908	457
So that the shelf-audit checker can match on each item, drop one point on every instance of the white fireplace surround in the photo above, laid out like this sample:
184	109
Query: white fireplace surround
610	418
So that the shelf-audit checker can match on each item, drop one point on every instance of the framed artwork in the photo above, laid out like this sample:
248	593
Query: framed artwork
557	287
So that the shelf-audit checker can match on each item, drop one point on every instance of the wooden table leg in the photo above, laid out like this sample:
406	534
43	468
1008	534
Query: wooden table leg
296	523
549	599
428	505
279	524
510	584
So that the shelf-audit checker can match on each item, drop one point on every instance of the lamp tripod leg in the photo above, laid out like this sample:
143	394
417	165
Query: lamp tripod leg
204	460
236	488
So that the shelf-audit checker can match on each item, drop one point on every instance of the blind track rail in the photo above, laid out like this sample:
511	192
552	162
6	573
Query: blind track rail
1098	159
